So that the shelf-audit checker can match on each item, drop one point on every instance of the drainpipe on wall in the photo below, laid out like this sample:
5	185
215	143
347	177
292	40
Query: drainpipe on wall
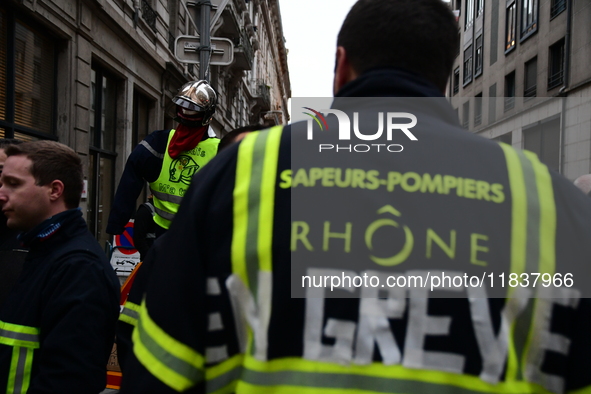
567	44
563	92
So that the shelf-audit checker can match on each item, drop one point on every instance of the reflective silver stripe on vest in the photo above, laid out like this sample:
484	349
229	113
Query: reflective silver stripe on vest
151	150
18	336
130	313
223	380
166	197
151	236
164	214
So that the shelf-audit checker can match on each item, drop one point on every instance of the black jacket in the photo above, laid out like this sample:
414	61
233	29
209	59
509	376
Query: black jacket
143	165
12	258
70	294
144	228
412	340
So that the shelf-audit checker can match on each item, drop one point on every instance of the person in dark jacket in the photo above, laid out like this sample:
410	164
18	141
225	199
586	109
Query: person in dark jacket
167	159
228	309
12	254
58	324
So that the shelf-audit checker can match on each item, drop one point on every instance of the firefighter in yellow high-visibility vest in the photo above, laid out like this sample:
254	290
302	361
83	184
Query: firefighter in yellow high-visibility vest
167	159
305	260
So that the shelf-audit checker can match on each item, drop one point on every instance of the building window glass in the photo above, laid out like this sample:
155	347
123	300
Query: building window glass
531	78
456	81
142	106
466	115
529	17
544	140
468	65
479	7
510	26
27	80
469	18
557	7
510	91
478	109
101	167
479	57
556	65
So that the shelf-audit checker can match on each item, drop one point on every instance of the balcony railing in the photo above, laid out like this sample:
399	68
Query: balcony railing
243	52
557	7
509	103
530	92
555	79
261	94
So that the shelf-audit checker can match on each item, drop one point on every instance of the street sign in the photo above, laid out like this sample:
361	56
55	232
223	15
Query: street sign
186	50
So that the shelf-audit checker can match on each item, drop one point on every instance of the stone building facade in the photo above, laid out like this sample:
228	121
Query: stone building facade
99	75
522	76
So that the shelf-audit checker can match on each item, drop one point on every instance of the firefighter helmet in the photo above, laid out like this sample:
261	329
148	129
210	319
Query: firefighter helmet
197	96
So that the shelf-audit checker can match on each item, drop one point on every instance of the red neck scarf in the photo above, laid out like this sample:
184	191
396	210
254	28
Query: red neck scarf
185	138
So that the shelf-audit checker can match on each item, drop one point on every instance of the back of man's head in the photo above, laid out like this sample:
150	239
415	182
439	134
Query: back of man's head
53	161
417	35
584	183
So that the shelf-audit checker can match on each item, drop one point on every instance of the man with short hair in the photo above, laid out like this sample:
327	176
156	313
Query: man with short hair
584	183
245	302
58	323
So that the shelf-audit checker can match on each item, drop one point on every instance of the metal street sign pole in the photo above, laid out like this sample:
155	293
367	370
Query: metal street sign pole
204	53
220	8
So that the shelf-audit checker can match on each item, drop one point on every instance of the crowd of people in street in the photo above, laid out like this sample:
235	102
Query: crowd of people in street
212	307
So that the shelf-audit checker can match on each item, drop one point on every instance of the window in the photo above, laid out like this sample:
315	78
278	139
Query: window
469	19
142	106
478	109
140	127
544	140
510	26
468	65
466	115
101	167
456	81
531	78
479	7
510	91
529	17
479	57
557	7
459	43
173	20
27	90
556	65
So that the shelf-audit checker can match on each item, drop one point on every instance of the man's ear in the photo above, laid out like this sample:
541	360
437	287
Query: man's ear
56	190
343	72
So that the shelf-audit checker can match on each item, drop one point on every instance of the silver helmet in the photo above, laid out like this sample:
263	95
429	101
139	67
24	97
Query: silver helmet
197	96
